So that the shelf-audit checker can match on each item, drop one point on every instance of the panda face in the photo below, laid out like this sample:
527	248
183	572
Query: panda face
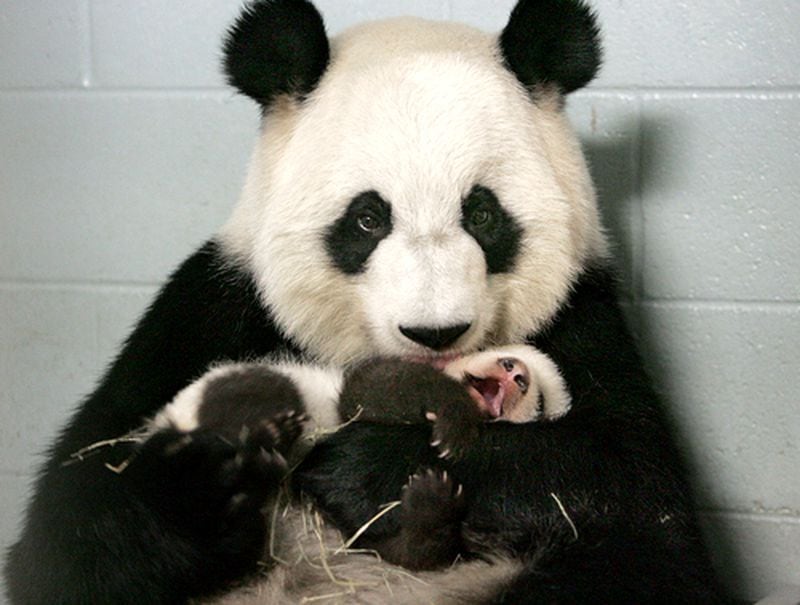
417	202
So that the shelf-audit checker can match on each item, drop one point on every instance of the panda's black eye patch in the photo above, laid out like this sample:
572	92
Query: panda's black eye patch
352	238
496	231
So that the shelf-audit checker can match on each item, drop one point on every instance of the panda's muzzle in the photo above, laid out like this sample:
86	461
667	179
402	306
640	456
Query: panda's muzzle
435	338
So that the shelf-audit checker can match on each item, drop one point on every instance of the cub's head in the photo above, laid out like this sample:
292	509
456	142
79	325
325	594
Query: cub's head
415	189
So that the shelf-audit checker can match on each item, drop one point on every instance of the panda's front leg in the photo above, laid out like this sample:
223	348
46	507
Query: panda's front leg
235	397
209	493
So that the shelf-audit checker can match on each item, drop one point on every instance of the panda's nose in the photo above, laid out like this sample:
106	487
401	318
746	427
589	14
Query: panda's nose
435	338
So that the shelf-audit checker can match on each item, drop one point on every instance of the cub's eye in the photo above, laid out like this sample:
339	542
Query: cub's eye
368	223
479	217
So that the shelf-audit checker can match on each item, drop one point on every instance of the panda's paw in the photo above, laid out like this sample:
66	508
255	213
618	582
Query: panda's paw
209	489
281	431
237	400
431	499
207	474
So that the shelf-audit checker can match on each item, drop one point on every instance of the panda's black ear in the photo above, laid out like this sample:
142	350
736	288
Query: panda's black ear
552	42
276	47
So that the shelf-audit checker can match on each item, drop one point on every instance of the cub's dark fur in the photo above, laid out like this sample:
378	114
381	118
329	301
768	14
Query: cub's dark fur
610	462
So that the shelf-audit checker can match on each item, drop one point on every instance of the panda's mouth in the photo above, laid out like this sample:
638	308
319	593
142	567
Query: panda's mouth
438	362
489	393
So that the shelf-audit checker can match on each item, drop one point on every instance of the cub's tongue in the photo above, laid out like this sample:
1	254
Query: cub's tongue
488	393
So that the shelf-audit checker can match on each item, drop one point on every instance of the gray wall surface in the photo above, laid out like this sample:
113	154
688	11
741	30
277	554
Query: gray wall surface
122	151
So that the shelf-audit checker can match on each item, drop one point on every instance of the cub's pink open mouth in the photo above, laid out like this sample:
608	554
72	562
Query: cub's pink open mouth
489	393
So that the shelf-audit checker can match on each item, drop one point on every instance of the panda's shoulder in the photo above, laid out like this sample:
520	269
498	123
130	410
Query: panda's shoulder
211	283
209	310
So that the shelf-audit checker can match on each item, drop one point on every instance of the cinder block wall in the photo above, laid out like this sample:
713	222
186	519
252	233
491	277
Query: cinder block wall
122	151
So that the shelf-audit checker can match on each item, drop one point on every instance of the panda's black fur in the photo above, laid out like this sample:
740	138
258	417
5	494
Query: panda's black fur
276	48
498	236
593	507
96	536
546	43
348	243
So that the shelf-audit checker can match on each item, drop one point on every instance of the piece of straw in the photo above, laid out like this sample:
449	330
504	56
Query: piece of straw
566	516
365	527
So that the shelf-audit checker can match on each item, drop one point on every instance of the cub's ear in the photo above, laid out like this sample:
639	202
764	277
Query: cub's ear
552	42
276	47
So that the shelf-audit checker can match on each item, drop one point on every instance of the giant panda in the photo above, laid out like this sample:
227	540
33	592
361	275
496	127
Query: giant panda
415	192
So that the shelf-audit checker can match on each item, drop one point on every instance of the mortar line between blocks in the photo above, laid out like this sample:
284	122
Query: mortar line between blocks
221	92
724	304
699	91
79	285
768	517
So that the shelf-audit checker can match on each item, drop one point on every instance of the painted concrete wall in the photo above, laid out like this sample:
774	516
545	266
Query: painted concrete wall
122	151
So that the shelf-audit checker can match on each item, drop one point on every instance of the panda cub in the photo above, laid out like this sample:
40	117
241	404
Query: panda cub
241	402
516	384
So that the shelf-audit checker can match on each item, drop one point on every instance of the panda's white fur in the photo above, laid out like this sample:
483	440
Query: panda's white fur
318	386
419	111
306	559
316	570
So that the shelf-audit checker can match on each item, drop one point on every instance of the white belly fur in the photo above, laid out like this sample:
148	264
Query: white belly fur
312	569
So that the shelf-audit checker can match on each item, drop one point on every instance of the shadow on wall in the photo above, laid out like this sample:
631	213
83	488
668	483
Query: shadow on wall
612	162
630	164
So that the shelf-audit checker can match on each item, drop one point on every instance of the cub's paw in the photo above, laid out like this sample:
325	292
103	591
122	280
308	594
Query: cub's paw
238	400
431	500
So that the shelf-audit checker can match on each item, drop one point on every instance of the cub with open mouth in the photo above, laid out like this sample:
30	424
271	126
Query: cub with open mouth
514	384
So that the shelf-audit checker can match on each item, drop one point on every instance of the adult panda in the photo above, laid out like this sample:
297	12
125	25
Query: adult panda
415	192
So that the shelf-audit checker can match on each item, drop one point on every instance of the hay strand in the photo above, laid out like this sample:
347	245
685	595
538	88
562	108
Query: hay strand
566	515
136	436
385	509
